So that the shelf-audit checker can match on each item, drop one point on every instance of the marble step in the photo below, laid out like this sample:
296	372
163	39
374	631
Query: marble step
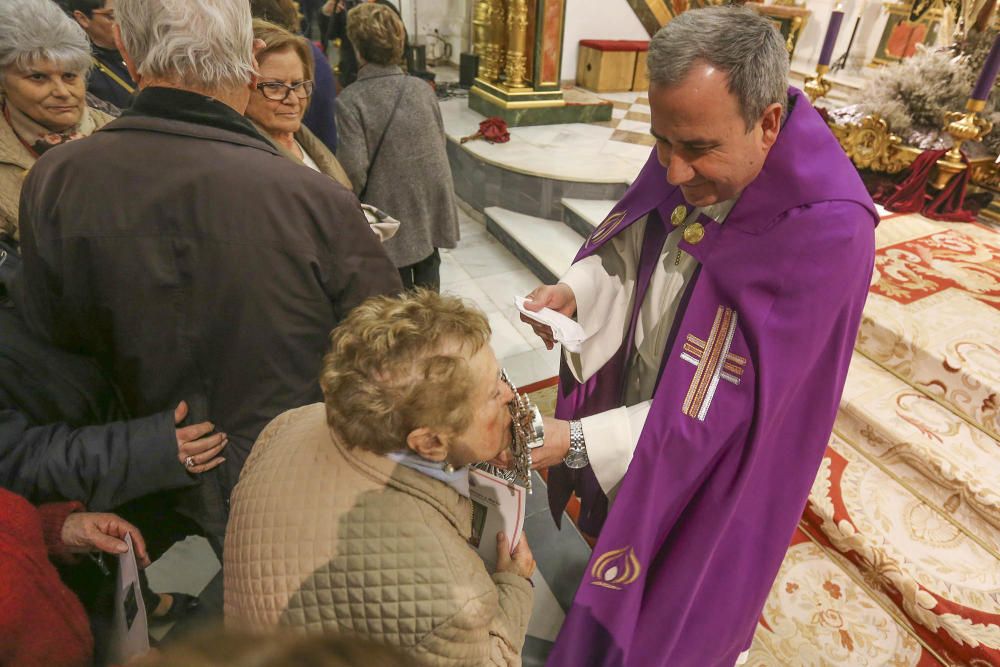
547	247
905	431
583	215
933	562
821	613
933	313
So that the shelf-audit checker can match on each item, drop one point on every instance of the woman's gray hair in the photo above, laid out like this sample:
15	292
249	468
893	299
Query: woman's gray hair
736	40
205	44
37	31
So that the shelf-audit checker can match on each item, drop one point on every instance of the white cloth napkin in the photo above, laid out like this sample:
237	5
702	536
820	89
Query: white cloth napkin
565	331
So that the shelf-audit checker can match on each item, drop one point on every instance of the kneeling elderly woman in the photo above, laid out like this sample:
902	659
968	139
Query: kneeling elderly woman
354	516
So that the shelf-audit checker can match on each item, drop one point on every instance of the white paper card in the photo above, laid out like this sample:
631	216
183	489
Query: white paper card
496	506
565	331
129	628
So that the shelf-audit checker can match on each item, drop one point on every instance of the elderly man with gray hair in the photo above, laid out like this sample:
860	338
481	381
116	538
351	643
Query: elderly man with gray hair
197	262
720	300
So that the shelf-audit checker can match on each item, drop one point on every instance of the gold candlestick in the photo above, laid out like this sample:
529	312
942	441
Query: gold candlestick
962	127
817	86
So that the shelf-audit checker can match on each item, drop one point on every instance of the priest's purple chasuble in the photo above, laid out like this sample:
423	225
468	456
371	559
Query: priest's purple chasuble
750	381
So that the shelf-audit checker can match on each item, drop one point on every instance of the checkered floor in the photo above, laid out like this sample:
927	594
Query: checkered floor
630	118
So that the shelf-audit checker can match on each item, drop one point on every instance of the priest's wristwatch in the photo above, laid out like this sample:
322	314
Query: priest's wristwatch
577	456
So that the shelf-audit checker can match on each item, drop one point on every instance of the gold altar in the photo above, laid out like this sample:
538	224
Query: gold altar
871	144
520	45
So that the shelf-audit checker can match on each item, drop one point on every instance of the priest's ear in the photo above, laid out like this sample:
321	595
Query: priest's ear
130	65
427	443
770	124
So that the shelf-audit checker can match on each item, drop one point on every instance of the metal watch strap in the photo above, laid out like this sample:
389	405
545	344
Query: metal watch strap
577	456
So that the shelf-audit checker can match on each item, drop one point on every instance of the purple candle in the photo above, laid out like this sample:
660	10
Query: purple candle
989	73
826	54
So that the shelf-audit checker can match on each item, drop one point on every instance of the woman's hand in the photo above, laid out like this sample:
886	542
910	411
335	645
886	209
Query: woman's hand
98	531
521	562
195	452
559	298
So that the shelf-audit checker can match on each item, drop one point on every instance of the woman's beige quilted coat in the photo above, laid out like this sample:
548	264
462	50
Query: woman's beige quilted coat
330	539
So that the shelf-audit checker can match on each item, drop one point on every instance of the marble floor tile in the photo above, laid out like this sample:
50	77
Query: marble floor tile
629	96
186	567
451	270
506	340
641	127
487	259
470	292
531	366
561	555
547	615
501	288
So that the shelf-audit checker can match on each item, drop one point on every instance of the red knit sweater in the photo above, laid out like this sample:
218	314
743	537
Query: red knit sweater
41	622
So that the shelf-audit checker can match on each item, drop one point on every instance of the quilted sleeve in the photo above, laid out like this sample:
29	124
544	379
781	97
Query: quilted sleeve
482	632
510	625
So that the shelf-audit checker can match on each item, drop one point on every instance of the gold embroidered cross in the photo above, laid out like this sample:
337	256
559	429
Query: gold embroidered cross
712	361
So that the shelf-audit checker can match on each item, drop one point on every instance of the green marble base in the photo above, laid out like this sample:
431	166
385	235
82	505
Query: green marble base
533	107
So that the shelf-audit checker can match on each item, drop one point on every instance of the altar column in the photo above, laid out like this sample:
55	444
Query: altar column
519	70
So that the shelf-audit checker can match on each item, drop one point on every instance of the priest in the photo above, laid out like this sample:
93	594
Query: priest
720	300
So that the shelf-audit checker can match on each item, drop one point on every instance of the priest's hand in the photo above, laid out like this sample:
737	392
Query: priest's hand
555	446
558	297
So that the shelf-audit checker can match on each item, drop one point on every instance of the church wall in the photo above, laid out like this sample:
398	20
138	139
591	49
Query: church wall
873	20
596	19
451	18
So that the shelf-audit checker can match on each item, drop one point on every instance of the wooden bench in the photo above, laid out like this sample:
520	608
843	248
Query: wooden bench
612	64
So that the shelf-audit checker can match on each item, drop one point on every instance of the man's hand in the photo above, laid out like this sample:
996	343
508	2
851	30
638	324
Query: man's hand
521	562
97	531
202	451
558	297
555	447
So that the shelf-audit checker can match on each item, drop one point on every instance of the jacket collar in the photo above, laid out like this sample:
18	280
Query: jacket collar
453	507
373	71
190	108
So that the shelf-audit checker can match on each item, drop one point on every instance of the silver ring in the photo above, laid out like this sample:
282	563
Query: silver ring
189	462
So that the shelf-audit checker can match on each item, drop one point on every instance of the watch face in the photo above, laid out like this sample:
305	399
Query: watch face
576	460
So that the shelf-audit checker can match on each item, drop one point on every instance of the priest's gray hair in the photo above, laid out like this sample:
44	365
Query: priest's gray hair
733	39
203	44
33	32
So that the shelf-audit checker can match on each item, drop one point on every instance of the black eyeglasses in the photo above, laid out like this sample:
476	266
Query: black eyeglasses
277	91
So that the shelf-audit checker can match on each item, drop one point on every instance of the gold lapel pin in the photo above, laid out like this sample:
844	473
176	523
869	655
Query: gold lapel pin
679	215
694	233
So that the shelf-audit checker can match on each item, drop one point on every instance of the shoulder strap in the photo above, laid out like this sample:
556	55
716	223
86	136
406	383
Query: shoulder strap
385	130
111	75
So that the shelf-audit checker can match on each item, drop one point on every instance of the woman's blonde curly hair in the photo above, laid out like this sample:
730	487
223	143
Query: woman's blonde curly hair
400	363
377	33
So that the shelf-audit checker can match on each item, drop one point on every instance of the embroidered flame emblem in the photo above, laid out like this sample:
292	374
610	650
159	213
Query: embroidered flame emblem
606	228
616	569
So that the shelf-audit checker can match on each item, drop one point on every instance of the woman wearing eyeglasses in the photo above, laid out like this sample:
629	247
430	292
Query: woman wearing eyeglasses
277	105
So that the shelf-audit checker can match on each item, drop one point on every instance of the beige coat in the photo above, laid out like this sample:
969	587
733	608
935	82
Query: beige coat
325	538
16	160
314	148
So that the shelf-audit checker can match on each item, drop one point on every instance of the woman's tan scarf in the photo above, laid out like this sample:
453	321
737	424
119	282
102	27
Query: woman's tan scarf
36	137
